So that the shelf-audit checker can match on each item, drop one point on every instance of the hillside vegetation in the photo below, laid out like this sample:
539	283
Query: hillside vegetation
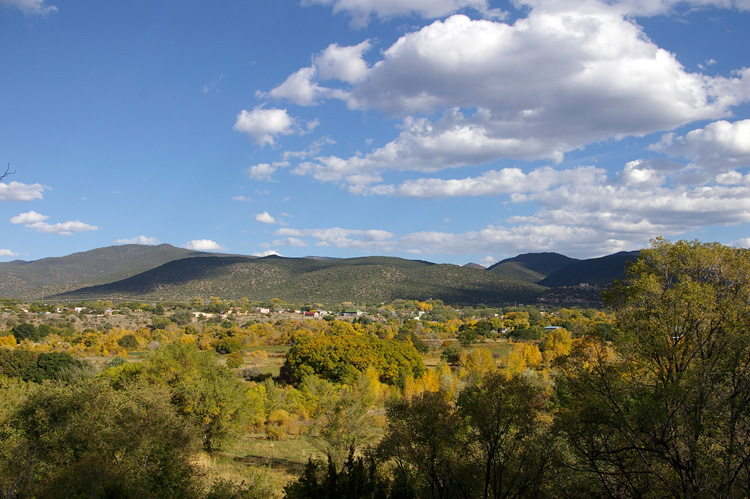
369	279
20	278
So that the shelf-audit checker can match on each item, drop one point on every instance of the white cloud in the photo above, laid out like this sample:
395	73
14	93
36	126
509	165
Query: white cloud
263	125
488	261
265	218
7	252
262	254
144	240
741	243
28	218
342	238
37	7
658	7
244	199
16	191
343	63
288	241
264	171
335	62
720	146
204	245
363	10
36	221
549	83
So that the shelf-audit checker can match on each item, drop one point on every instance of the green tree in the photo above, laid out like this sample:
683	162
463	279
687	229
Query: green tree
89	440
423	439
507	439
666	411
208	395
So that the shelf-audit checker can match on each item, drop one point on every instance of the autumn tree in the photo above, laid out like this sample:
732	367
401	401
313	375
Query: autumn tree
666	412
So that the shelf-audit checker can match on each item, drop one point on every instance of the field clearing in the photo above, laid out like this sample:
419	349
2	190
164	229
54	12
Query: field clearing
253	458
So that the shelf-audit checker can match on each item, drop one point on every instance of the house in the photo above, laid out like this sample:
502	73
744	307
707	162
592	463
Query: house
312	313
351	312
262	310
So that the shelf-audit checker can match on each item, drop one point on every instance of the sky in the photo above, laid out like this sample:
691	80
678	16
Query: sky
451	131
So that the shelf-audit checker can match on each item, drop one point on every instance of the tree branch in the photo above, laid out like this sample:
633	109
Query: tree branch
7	172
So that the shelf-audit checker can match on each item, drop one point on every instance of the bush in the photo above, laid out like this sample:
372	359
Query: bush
128	341
451	354
228	345
235	360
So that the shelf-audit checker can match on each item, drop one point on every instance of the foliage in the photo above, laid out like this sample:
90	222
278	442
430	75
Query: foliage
31	366
451	354
128	341
360	478
343	358
235	360
208	395
667	412
423	439
89	440
508	442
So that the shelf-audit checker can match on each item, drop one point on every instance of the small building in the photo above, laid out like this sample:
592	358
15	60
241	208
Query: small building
351	312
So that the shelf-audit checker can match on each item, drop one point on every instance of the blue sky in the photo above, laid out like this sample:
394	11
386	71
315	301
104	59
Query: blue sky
444	130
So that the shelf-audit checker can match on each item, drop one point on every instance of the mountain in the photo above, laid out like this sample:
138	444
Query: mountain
472	265
55	275
306	280
165	272
531	267
595	271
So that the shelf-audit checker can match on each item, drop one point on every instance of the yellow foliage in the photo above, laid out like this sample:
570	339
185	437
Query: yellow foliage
523	356
557	343
475	364
8	340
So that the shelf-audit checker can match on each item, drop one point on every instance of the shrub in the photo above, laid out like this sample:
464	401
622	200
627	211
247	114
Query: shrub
235	360
128	341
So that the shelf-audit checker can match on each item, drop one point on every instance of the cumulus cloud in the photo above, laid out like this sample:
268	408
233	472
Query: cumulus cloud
36	221
204	245
144	240
265	218
547	84
7	252
29	7
264	125
720	146
16	191
264	171
345	64
363	10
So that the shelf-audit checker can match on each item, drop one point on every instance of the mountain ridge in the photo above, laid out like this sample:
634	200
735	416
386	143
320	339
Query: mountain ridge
167	272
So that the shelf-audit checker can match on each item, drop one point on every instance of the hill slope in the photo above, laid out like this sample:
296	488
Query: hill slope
22	279
595	271
531	267
368	279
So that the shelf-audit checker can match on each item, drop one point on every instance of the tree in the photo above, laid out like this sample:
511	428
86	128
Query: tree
90	440
666	411
208	395
423	438
506	436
